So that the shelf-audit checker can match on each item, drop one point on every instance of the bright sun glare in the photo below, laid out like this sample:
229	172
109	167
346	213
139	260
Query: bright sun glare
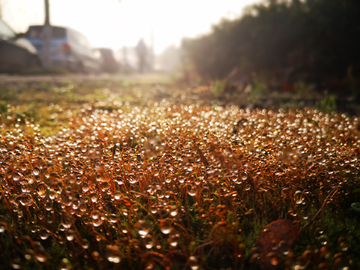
114	23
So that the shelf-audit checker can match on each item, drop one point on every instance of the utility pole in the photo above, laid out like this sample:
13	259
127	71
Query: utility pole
47	36
1	8
151	53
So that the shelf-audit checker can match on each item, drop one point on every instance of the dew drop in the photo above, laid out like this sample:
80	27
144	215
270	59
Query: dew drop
191	190
16	177
148	241
117	195
299	197
174	239
85	243
113	218
24	200
36	171
85	187
344	246
66	221
94	197
193	263
43	233
132	179
284	247
65	264
53	195
15	263
104	186
97	218
143	228
153	209
113	254
304	214
39	254
173	212
165	226
28	254
119	181
83	207
323	240
3	226
70	235
95	214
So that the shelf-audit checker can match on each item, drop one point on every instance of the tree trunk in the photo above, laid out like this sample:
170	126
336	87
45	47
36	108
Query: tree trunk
47	37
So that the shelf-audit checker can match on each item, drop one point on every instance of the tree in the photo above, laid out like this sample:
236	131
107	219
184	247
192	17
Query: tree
311	40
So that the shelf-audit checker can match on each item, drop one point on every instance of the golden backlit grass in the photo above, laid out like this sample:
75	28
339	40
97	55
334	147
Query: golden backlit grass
164	185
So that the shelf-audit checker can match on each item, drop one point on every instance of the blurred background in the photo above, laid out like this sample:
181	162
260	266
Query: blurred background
289	45
119	25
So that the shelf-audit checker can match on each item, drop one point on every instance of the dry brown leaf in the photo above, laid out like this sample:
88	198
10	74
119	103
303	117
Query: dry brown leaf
280	232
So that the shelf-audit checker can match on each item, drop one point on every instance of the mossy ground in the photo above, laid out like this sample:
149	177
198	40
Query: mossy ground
218	174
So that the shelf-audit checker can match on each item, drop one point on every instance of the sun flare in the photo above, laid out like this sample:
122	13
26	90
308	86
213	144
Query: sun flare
113	23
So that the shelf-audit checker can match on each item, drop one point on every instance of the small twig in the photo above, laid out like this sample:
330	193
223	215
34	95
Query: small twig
331	194
205	244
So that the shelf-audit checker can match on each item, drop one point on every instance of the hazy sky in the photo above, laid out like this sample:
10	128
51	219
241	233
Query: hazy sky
113	23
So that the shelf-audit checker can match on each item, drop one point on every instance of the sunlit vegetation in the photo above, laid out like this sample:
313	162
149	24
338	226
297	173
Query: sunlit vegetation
287	41
154	184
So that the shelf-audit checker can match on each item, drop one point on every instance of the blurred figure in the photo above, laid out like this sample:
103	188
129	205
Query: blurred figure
141	51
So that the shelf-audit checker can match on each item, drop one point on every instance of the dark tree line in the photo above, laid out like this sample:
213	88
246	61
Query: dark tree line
316	41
